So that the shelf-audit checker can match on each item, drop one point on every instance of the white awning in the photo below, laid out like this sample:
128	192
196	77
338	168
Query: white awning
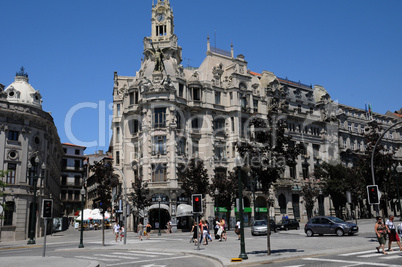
156	206
184	210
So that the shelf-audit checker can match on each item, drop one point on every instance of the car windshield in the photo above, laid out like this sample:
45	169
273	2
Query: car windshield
259	223
335	219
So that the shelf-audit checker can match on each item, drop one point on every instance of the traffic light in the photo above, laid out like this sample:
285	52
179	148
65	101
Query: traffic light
373	196
47	209
197	203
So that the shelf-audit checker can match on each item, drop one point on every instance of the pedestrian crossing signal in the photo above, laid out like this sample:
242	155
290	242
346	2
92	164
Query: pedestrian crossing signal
47	209
197	203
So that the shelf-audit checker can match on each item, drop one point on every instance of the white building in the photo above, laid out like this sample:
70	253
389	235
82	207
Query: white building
166	114
29	147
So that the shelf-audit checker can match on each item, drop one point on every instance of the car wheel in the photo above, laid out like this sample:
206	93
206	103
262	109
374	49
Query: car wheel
286	229
309	233
252	234
339	232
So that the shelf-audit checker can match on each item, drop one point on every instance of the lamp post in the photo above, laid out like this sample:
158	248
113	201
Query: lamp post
243	254
159	215
33	210
82	191
216	202
399	170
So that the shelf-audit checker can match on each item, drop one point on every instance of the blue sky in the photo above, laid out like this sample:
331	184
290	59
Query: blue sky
70	49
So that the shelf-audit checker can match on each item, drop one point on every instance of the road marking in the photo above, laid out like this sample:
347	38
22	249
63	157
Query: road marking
162	259
93	258
134	254
350	262
154	253
358	253
115	256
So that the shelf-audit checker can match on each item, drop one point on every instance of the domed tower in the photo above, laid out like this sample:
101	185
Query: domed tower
31	151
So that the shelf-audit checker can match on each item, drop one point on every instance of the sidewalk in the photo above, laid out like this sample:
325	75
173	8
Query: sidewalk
291	244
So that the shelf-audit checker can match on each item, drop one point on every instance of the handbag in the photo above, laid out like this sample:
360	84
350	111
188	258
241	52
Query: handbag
220	231
393	231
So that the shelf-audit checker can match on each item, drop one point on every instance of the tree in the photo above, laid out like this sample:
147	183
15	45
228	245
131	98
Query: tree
227	187
337	179
383	162
195	178
105	180
139	196
310	192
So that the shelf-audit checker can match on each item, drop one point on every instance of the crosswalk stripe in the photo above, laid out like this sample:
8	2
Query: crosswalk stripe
102	256
134	254
153	260
93	258
153	253
350	262
358	253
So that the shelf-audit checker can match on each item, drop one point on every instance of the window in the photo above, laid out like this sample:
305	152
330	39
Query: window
181	89
195	148
219	126
159	118
77	164
118	110
356	128
10	179
196	94
134	126
117	134
220	151
158	172
299	109
64	180
196	123
65	150
117	157
231	98
255	105
243	100
159	145
131	95
181	147
8	213
349	127
13	135
233	124
217	98
77	152
77	180
292	171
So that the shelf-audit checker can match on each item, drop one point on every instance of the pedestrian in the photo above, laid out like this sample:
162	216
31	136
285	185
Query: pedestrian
381	232
140	230
216	228
205	232
122	232
148	229
116	230
392	235
223	225
156	225
168	227
194	230
208	234
237	229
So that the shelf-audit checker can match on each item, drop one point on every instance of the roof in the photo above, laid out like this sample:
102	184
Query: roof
68	144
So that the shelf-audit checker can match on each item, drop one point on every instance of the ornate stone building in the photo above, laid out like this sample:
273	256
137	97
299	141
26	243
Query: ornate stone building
166	114
29	147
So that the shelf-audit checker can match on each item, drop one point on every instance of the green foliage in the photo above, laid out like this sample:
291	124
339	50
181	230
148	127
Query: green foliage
269	151
310	192
195	178
105	180
140	195
227	186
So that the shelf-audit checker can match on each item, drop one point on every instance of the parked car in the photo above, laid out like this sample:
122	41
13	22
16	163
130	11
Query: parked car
329	225
287	224
259	227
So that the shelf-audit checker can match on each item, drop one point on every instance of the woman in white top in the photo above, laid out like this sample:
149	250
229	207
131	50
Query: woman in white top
393	235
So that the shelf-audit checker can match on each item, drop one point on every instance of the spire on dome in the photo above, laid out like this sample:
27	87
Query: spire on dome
22	73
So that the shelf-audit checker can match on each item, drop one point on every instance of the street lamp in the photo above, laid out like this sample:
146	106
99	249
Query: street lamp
82	191
399	170
216	202
243	255
33	210
159	214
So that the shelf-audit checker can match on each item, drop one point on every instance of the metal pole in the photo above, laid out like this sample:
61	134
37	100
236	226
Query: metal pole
44	240
159	216
268	227
82	220
243	254
31	240
399	198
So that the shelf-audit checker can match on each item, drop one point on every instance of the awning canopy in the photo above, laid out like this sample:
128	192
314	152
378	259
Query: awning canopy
156	206
184	210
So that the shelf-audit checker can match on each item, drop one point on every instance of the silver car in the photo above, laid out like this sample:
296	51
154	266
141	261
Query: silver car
259	227
329	225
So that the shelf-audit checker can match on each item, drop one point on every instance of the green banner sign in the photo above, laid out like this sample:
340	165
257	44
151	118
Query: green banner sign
257	209
246	209
221	209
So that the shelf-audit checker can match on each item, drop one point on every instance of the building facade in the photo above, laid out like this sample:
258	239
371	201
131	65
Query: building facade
167	114
72	177
30	150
